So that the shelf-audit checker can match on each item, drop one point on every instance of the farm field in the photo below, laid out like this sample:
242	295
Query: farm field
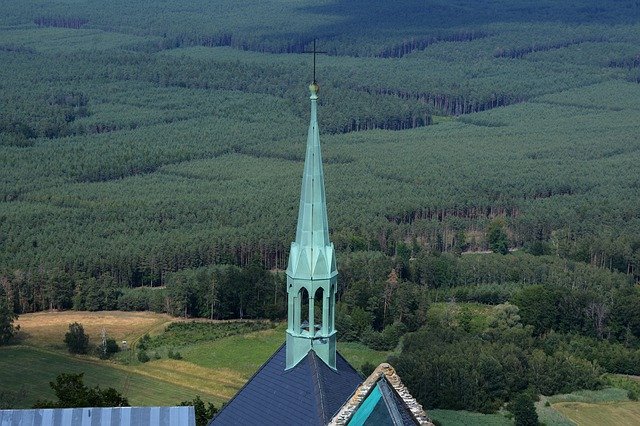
608	406
450	417
31	369
214	370
46	329
610	414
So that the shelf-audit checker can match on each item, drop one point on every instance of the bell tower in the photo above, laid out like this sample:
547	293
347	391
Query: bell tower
311	272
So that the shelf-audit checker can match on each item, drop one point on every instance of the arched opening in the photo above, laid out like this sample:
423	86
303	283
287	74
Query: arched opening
303	312
318	310
330	308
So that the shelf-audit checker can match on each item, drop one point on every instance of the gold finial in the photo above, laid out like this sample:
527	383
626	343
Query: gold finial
314	88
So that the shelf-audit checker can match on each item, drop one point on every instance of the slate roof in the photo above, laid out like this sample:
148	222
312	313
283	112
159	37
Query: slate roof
381	400
308	394
112	416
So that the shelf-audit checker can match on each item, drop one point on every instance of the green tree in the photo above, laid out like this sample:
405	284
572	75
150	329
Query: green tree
71	392
204	413
537	307
367	368
523	410
143	357
459	243
361	321
625	314
107	348
7	316
76	340
497	237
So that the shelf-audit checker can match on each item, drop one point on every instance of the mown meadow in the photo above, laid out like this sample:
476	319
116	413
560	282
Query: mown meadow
213	359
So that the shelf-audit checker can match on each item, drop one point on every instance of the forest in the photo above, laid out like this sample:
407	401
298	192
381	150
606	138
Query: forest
481	167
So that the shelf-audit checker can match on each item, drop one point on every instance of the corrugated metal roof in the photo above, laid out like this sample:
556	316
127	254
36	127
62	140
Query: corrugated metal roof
112	416
307	394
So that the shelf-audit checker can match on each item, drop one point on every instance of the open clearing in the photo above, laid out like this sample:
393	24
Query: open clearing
220	383
47	329
466	418
615	413
215	369
32	369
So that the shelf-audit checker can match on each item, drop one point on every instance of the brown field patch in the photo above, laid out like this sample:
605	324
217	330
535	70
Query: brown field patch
47	329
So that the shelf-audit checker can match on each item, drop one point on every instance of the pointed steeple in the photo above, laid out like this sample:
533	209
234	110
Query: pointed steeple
313	228
312	272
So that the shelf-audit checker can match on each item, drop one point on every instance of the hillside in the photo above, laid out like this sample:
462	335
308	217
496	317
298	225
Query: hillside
133	147
214	366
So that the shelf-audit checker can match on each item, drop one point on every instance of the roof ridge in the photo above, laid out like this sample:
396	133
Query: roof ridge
318	382
388	399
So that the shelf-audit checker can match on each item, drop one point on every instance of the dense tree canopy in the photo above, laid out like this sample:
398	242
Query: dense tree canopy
76	339
7	317
98	131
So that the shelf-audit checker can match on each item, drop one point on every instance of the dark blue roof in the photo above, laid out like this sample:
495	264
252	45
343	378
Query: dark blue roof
405	413
308	394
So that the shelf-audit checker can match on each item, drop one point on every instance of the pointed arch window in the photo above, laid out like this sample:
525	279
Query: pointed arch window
320	316
302	316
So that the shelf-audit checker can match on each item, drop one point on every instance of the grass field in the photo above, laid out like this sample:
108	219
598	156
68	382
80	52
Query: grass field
33	368
549	415
609	406
243	353
471	316
466	418
614	414
605	395
215	370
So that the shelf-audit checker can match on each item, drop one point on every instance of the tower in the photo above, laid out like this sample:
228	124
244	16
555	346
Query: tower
306	381
311	272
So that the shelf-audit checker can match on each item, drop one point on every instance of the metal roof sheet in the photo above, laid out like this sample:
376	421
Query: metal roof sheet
111	416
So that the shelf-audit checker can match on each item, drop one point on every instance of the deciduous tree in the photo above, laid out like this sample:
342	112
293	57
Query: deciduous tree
76	340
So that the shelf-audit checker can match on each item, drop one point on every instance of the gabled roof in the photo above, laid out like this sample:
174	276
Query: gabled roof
308	394
111	416
382	399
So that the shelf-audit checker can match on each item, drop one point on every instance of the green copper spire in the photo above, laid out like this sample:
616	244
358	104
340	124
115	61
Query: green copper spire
312	272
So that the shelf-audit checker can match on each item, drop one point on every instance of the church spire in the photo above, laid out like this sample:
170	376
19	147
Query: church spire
312	272
313	228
